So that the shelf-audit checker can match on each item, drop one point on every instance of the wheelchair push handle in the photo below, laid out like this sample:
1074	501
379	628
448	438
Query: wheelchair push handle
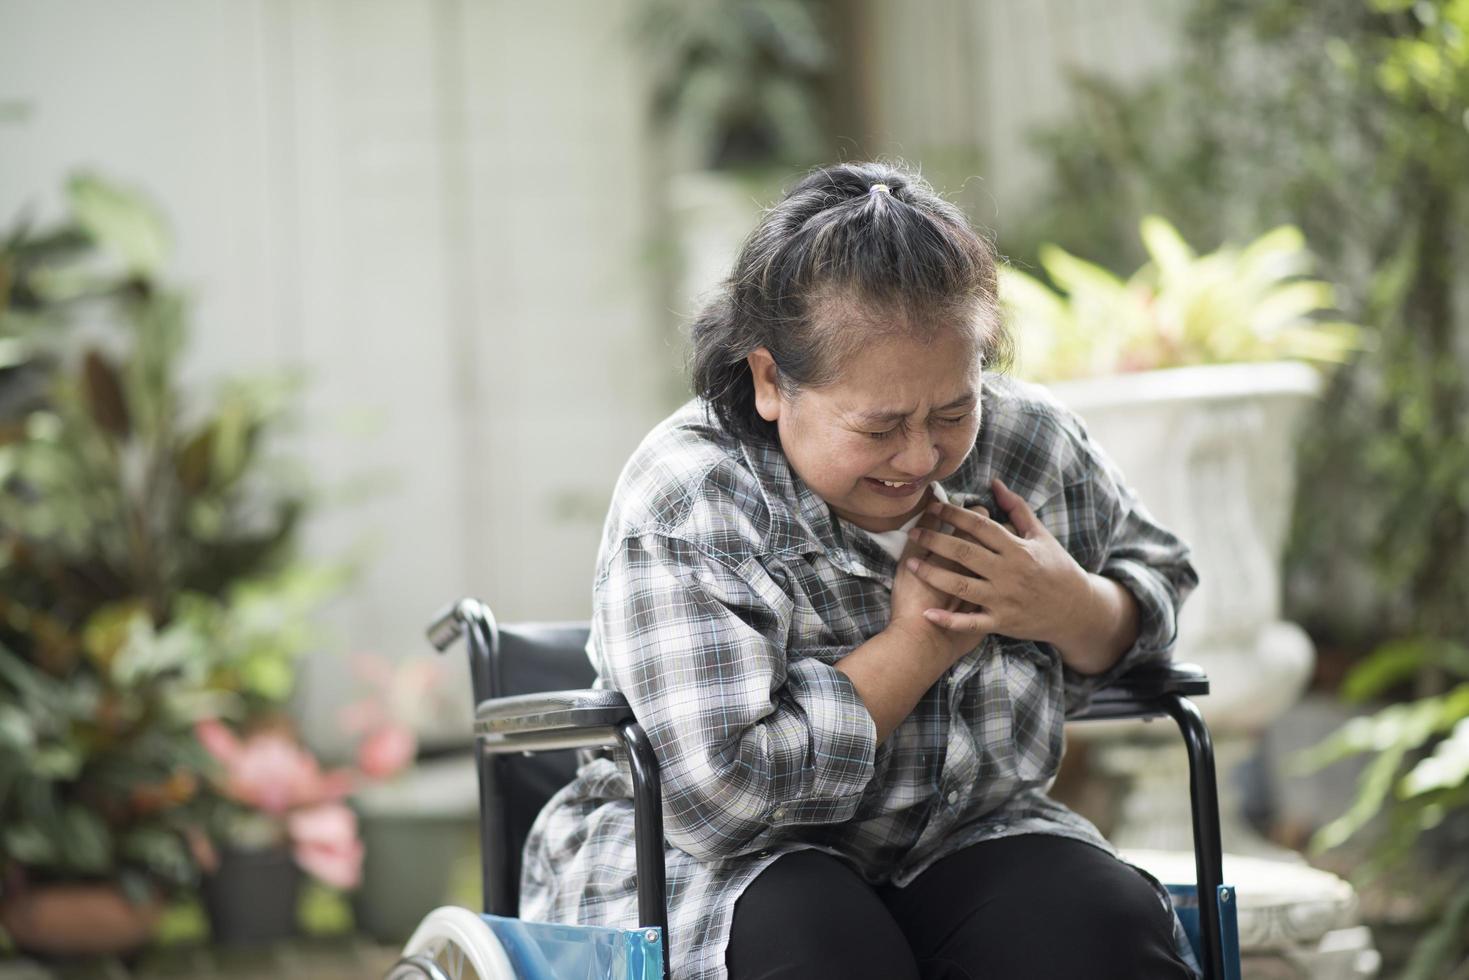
472	617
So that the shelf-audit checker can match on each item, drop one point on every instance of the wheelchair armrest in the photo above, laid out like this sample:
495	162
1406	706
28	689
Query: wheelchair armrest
551	720
1139	692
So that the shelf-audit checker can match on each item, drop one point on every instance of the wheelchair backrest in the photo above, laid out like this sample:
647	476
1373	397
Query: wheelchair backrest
534	657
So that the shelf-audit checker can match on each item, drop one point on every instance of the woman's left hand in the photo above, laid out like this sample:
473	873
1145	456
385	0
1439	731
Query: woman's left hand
1025	585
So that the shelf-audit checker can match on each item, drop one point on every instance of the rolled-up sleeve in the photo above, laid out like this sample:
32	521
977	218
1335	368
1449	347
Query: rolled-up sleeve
748	736
1099	519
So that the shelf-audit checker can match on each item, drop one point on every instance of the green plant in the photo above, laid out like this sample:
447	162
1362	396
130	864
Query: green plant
739	82
1346	118
1349	118
1180	308
148	574
1417	780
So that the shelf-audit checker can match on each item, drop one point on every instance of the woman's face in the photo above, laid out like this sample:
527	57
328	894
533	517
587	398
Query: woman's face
902	411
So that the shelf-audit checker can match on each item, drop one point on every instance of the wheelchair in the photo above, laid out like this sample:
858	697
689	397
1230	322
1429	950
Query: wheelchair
534	707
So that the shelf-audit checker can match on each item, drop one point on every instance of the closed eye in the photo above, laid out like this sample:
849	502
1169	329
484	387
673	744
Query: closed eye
942	420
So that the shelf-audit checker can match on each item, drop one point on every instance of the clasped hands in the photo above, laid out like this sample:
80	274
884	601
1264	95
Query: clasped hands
985	577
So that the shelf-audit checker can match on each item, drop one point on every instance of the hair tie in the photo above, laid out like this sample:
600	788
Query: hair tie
884	188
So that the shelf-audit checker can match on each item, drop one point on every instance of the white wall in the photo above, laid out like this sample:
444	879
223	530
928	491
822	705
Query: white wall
439	207
960	85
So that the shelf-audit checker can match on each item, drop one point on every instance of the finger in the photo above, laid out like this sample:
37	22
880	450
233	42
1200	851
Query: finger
959	586
1015	506
977	526
976	623
929	522
966	552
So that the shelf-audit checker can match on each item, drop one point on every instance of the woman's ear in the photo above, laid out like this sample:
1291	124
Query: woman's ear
767	386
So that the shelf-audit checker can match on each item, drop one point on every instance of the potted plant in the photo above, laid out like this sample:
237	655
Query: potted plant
417	818
1189	374
282	815
148	575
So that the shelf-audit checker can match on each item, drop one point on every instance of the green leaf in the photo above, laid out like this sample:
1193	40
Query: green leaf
57	762
1166	246
324	911
268	675
17	732
28	844
1401	660
161	851
1278	253
1372	789
121	222
1077	276
1290	304
149	653
86	842
136	887
192	461
1443	941
105	400
14	351
1446	768
1397	726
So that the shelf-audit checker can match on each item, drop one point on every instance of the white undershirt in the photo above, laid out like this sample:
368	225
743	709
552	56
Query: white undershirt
894	541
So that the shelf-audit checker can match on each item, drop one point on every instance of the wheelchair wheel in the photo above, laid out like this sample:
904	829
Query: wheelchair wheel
453	944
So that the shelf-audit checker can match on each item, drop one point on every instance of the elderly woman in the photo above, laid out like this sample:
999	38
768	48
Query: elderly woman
850	591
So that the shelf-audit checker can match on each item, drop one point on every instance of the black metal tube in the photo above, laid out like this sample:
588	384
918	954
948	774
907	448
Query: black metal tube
648	833
483	640
1208	852
495	887
484	649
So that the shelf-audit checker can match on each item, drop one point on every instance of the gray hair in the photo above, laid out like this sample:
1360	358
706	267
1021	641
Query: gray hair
872	236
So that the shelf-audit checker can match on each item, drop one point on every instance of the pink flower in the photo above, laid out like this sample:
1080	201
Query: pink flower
325	845
217	740
387	751
269	771
403	696
359	717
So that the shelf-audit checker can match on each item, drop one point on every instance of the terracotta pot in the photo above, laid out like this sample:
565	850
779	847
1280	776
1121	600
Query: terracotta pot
74	919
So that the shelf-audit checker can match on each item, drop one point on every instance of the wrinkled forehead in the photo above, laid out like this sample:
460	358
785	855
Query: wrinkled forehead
860	336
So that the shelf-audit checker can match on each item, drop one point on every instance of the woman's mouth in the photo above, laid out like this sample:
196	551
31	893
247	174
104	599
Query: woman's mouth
891	488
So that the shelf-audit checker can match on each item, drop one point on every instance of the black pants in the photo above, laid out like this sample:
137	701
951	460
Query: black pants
1009	909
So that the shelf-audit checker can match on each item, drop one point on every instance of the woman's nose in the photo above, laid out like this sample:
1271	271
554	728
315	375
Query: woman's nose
919	456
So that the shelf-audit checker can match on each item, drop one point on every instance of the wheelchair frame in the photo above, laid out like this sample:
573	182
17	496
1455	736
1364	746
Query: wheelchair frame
591	719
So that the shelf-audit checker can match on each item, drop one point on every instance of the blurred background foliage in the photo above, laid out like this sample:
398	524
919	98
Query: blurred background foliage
148	568
1364	149
1235	304
1350	119
739	83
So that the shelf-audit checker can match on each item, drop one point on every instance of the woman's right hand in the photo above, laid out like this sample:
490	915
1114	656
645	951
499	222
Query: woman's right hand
912	595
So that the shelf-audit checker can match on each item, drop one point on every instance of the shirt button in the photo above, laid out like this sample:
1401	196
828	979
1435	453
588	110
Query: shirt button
780	813
953	797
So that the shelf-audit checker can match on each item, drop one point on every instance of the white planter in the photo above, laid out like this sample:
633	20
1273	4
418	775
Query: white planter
1211	453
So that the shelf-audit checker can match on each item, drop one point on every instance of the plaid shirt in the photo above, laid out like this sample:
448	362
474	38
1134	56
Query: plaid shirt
726	591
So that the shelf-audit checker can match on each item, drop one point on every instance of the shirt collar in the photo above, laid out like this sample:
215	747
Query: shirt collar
800	519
